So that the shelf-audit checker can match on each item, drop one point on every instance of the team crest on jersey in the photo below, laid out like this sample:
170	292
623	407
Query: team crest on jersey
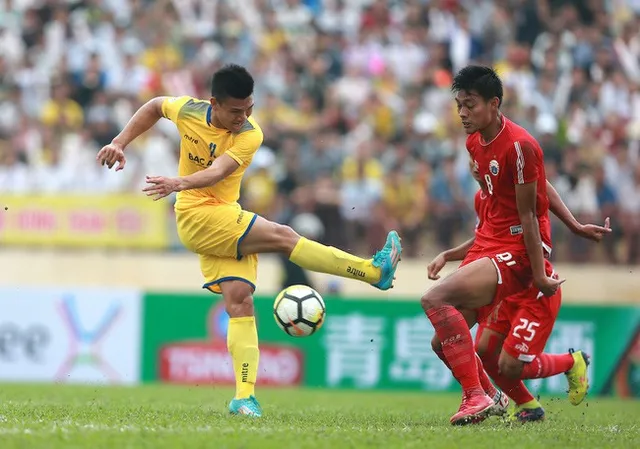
494	168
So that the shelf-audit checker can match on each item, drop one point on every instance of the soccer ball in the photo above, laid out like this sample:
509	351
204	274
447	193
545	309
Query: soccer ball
299	310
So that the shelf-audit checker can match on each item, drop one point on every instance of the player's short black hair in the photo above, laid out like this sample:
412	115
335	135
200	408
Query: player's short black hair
480	79
232	81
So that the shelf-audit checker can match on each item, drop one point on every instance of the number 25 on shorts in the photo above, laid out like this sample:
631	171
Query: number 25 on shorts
527	326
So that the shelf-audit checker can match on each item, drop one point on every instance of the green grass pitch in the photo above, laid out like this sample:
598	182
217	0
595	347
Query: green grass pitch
56	417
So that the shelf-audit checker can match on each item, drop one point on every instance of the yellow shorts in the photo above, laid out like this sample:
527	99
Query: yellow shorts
214	232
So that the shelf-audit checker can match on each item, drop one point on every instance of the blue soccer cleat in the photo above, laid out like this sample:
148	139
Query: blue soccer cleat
525	415
246	407
387	260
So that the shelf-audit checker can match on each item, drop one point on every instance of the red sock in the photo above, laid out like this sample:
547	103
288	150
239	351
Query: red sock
457	346
487	386
441	356
513	388
547	365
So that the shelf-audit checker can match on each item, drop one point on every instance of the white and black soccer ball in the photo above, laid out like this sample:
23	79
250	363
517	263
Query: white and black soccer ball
299	310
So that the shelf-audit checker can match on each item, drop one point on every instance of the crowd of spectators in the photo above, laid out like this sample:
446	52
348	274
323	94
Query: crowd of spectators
361	133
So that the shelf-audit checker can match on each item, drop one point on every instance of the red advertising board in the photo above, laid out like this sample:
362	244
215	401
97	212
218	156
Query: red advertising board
208	362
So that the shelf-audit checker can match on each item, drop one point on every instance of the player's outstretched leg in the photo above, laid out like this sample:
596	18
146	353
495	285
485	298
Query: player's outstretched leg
573	364
242	342
471	286
268	237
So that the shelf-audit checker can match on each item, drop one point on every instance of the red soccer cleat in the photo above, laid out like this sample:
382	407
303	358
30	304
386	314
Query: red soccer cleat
473	409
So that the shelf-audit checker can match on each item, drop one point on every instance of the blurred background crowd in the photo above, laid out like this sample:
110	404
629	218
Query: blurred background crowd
361	133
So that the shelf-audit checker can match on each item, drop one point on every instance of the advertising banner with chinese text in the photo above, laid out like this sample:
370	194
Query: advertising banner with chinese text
363	344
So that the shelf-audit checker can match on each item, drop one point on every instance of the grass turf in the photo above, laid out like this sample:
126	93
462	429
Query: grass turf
47	416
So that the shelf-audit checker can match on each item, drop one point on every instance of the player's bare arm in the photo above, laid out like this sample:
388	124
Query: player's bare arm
161	186
526	203
560	210
144	118
450	255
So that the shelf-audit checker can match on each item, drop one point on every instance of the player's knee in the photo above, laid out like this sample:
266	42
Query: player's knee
436	297
238	299
429	301
239	306
510	367
285	238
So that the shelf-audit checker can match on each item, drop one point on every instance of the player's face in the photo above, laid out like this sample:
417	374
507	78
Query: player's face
474	111
231	113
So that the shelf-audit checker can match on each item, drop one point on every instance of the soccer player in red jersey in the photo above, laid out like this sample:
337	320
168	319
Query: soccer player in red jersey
495	321
509	250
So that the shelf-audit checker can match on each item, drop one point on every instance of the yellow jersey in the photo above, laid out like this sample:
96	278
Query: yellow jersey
201	143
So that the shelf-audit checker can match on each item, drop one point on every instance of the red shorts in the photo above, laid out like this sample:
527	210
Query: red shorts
526	319
514	270
518	310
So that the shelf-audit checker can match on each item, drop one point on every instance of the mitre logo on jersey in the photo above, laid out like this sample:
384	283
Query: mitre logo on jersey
212	150
494	167
191	139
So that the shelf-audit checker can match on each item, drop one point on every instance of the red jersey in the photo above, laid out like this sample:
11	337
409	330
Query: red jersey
512	157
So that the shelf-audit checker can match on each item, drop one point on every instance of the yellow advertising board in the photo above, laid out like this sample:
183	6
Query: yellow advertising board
122	221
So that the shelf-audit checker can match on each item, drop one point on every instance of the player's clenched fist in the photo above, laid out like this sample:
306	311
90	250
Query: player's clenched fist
110	154
549	285
435	266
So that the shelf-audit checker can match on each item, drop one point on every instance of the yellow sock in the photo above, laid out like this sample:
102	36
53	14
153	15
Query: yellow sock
242	342
530	405
327	259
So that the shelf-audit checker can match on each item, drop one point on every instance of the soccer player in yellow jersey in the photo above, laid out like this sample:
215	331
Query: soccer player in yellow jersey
218	140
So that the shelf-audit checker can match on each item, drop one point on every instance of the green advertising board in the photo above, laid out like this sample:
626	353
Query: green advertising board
363	344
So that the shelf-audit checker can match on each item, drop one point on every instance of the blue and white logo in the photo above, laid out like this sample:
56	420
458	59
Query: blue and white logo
494	168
